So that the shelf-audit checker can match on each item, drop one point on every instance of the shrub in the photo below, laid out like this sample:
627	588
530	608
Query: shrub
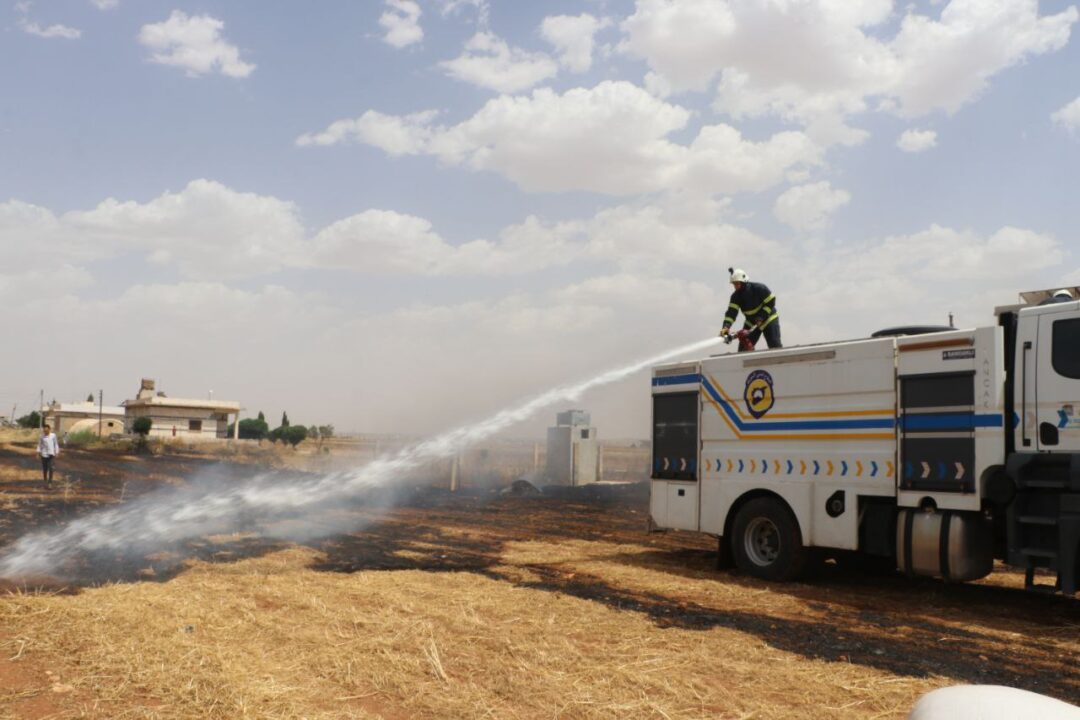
83	437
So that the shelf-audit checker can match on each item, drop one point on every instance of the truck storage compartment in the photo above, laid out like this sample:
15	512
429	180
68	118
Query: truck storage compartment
675	436
937	432
955	546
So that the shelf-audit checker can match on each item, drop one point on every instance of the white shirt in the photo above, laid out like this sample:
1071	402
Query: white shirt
48	446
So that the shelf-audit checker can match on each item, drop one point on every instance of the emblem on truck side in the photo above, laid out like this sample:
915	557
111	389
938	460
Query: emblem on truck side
758	393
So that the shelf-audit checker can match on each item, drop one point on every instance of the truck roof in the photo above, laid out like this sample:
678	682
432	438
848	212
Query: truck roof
1032	298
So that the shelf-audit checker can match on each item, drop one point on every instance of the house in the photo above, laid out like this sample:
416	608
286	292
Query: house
190	419
67	418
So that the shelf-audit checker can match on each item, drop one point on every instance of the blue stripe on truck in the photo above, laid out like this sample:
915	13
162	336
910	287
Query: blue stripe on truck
949	421
676	380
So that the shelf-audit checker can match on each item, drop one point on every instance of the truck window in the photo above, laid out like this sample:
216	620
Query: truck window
675	436
1066	348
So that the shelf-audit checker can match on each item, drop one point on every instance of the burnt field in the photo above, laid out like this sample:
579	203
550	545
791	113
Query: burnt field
478	604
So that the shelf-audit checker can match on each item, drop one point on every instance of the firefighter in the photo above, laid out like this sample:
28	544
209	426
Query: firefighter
758	305
1061	296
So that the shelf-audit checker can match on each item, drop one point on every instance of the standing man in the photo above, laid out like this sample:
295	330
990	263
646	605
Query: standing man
758	305
48	448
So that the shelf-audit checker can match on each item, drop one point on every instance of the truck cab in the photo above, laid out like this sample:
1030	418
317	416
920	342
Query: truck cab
1041	486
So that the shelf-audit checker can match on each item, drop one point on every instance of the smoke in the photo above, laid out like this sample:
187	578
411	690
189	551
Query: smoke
162	518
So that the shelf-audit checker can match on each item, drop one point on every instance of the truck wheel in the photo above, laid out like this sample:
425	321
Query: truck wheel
766	542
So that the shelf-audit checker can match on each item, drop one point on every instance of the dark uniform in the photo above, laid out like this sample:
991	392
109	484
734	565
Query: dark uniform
758	304
1055	299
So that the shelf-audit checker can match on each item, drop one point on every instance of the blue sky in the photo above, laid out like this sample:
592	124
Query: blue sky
292	205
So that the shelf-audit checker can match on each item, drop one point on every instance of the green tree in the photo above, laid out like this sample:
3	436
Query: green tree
141	426
31	420
294	434
90	397
284	419
261	416
326	431
251	429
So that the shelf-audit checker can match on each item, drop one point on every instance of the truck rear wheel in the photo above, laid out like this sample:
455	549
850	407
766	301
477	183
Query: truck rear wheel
766	542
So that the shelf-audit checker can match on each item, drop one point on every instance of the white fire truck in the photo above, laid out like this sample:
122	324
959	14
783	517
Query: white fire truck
940	451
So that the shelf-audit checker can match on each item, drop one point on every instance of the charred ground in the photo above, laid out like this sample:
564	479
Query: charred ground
589	546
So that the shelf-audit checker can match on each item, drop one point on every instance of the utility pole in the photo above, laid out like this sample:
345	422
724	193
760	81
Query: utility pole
100	410
41	410
951	321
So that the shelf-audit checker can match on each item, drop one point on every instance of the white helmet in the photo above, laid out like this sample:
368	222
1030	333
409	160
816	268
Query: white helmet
1063	293
738	275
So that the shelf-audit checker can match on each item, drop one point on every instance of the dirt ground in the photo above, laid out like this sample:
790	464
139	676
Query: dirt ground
477	605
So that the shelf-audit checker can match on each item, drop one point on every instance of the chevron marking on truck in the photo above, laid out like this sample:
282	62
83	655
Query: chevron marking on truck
858	468
873	468
959	471
802	467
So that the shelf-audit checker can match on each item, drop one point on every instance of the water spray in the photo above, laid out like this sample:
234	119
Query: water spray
170	516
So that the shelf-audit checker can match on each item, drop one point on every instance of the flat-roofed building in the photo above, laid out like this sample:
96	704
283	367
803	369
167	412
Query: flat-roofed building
65	418
187	418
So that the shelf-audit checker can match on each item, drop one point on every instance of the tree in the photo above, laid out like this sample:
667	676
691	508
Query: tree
284	419
294	434
261	416
90	397
32	420
326	431
142	426
251	429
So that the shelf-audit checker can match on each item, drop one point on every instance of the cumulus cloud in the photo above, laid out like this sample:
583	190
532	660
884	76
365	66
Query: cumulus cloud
393	134
610	139
809	207
28	26
919	278
819	61
1068	116
194	43
573	38
489	62
916	141
943	254
105	4
480	8
654	266
206	230
401	20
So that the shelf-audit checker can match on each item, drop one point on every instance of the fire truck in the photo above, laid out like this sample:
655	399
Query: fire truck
936	451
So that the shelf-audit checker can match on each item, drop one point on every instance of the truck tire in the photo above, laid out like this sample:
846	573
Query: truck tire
766	541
